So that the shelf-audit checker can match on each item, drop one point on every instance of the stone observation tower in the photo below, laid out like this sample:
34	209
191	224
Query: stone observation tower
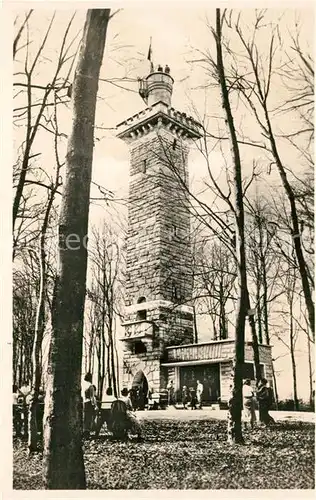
158	313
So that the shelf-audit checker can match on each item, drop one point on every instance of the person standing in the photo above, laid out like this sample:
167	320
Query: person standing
264	400
25	397
199	393
248	400
185	397
170	388
90	406
17	420
192	398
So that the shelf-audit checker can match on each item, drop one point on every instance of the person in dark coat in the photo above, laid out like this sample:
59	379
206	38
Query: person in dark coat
185	397
90	406
264	400
193	399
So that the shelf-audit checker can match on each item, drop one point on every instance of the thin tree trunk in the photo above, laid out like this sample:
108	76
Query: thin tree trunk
296	233
39	326
38	339
112	362
63	464
265	303
276	396
195	326
293	362
117	363
108	366
259	313
255	346
310	373
234	426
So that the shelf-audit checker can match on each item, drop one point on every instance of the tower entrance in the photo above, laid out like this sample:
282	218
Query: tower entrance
208	375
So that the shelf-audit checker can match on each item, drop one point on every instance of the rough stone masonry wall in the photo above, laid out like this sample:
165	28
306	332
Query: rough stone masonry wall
158	239
176	257
226	367
158	250
149	363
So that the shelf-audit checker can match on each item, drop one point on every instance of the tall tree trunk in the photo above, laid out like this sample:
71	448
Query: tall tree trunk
63	456
234	425
222	313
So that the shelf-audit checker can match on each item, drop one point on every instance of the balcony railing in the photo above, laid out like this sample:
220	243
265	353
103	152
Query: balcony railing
217	350
138	330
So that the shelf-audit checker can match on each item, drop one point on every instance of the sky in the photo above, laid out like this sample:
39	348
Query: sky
179	36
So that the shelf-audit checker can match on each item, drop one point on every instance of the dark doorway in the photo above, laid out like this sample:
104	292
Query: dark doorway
208	375
139	391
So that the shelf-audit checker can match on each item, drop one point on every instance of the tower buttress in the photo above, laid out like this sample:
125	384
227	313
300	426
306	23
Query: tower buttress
158	255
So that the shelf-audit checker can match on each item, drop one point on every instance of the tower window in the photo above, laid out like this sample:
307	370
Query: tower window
144	166
142	315
175	292
174	231
139	347
174	145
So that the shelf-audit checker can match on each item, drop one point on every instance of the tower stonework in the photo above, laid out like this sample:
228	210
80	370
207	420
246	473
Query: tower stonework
159	277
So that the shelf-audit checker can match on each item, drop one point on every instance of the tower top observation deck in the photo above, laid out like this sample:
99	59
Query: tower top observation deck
157	86
156	91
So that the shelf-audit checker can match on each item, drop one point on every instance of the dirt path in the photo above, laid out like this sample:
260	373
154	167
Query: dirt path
209	414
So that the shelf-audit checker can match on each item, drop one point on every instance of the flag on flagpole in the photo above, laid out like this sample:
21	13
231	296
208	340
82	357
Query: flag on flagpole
149	56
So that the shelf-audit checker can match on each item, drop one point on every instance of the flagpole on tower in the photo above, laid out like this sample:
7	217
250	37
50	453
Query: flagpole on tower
149	55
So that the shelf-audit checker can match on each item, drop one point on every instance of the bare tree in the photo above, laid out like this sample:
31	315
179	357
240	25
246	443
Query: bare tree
104	303
19	32
40	321
254	88
34	101
214	290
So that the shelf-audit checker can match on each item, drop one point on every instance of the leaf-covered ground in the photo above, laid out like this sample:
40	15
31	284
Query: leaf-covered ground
190	455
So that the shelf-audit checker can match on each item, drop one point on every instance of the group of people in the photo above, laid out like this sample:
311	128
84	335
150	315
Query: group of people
190	396
263	395
21	400
92	407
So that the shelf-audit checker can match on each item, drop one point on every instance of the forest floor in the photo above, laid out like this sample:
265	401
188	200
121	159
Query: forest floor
188	453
